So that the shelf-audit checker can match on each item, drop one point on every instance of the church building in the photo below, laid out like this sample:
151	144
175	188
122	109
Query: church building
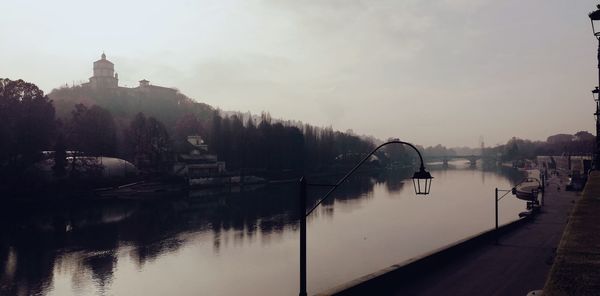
105	78
104	74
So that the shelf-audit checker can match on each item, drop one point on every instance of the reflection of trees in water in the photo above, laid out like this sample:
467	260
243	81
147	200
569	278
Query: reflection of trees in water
25	269
37	238
354	189
394	179
102	266
511	174
91	234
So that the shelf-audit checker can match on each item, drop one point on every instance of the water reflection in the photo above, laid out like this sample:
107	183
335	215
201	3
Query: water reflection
85	240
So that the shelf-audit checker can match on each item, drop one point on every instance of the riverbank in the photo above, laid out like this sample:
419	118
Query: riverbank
576	269
159	187
516	265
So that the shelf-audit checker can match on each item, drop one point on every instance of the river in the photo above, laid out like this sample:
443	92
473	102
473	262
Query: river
244	242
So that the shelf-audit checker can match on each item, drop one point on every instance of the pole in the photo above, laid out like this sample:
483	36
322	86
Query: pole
543	187
597	154
496	199
496	203
302	214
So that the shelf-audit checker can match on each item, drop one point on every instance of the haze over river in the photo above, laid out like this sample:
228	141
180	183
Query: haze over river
244	243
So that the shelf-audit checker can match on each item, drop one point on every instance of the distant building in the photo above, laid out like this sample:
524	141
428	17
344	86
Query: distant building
104	74
197	163
105	79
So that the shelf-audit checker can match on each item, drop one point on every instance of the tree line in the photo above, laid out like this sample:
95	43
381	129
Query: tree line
580	143
247	143
32	132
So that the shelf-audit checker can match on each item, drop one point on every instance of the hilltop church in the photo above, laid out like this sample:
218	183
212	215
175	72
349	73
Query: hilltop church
105	78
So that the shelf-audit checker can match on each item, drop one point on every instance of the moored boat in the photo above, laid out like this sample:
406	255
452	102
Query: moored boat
528	189
225	181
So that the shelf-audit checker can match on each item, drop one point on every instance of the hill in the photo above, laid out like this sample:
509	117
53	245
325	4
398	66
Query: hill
124	104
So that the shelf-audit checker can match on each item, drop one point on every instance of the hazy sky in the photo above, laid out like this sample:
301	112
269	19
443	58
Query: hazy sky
425	71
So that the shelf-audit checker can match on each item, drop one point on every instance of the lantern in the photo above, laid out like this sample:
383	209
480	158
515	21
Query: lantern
594	18
422	181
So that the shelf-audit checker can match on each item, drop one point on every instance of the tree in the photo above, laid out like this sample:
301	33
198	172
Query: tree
397	154
148	142
584	136
160	145
92	130
583	143
60	157
215	139
137	140
28	123
187	125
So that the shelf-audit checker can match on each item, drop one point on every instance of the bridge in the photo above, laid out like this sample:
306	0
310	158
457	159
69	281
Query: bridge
471	158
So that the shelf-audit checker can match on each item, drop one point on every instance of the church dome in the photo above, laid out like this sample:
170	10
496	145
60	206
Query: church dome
103	60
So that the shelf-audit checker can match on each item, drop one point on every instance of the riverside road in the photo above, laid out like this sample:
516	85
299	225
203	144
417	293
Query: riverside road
517	264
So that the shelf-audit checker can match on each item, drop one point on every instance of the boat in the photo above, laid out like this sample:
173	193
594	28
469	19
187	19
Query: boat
527	189
225	181
145	190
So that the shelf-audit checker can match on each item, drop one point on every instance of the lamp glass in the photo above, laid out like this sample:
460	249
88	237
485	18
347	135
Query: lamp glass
422	182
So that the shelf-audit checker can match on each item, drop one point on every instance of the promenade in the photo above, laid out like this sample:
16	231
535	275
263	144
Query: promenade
576	269
519	263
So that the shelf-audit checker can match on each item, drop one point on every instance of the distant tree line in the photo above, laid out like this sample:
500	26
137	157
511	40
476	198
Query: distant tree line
580	143
110	124
32	132
243	141
275	145
437	150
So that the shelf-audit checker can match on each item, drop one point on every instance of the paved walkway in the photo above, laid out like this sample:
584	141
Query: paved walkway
576	270
518	264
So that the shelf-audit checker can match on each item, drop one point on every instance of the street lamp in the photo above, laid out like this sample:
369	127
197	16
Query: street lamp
421	182
595	19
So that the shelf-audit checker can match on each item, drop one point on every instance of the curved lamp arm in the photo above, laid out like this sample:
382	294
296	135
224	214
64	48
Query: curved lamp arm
339	182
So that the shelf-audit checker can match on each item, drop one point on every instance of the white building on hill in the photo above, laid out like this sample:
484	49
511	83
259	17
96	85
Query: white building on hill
105	79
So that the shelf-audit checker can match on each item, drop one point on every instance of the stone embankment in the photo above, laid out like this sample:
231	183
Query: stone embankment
576	268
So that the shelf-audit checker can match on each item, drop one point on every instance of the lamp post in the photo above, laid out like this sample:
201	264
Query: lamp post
421	183
595	18
596	95
541	188
496	200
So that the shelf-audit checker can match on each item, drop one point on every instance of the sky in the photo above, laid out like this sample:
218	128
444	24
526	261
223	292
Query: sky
426	71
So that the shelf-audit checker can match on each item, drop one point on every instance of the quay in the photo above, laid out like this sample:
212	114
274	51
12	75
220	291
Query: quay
576	269
515	261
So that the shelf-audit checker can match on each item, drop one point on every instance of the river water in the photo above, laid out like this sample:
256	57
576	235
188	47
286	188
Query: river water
244	242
